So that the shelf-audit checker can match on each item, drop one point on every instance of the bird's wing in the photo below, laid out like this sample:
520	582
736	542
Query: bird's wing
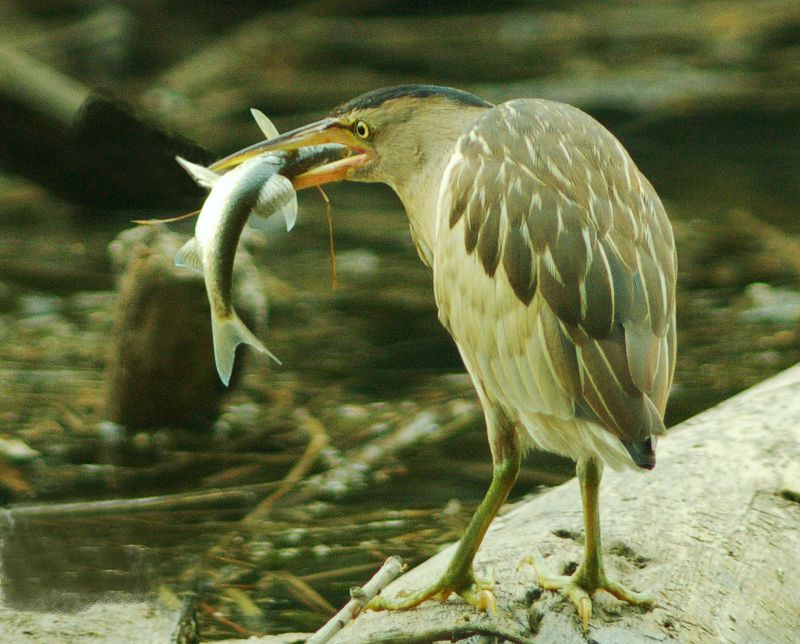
547	200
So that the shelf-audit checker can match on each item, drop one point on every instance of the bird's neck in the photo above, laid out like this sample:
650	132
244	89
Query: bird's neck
421	147
420	195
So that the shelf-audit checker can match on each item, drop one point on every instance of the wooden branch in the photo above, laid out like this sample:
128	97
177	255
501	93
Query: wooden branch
318	440
220	617
712	532
352	473
389	571
65	136
165	503
43	88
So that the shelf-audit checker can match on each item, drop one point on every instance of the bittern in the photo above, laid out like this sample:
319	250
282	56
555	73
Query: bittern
553	270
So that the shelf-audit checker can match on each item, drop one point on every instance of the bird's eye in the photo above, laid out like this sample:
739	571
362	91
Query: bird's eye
362	130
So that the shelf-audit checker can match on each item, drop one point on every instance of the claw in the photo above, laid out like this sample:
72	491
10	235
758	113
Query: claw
584	605
579	590
485	601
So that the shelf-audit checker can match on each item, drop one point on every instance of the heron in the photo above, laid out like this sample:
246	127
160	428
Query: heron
554	271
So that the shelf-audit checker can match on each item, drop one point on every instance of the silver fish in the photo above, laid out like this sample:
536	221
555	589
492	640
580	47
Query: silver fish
253	188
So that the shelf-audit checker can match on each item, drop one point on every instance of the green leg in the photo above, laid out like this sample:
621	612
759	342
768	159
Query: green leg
590	575
459	577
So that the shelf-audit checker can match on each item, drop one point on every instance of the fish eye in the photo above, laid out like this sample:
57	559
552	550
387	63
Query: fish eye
362	130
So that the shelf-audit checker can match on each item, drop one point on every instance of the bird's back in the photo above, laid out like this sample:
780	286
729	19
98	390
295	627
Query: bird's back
554	270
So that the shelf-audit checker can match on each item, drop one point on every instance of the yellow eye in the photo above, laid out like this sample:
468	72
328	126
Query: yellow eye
361	129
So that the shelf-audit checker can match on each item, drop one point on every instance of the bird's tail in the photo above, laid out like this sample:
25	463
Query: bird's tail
642	452
229	333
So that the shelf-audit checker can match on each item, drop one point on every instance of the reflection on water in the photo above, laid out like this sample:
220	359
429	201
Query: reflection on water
69	564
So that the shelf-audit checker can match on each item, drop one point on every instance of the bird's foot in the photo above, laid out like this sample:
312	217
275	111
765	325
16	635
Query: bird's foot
580	586
476	592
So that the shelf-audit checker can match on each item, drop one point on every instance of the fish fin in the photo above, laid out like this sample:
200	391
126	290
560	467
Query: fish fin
188	257
266	126
278	195
203	176
289	213
228	334
263	221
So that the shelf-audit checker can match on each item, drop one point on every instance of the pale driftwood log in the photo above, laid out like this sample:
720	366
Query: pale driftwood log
713	532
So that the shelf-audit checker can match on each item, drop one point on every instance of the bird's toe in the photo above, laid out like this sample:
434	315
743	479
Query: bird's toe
579	588
476	592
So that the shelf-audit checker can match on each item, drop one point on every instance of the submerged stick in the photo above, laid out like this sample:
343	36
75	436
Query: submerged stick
392	568
168	502
304	593
218	616
357	465
317	442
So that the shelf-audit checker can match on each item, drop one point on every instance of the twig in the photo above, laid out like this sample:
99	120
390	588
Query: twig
232	560
246	606
357	465
168	502
453	633
391	570
305	594
318	441
217	615
336	573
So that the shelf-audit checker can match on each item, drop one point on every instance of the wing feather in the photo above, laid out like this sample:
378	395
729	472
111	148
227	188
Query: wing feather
552	204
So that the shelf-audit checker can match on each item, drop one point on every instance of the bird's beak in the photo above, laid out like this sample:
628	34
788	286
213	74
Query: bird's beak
328	130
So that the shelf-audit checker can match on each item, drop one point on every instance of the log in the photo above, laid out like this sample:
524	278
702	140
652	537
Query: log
86	147
712	532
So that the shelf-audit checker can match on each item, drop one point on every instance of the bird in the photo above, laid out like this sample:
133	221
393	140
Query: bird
554	271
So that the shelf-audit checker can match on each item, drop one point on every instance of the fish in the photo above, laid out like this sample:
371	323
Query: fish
256	187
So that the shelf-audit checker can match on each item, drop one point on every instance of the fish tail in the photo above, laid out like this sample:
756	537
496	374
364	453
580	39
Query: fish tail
229	333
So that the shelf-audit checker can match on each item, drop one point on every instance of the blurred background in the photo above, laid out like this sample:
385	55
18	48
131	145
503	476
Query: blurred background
368	440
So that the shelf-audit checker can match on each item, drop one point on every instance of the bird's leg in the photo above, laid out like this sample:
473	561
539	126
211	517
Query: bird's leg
590	575
459	577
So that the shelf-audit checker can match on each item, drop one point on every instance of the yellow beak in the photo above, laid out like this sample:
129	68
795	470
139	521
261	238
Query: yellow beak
328	130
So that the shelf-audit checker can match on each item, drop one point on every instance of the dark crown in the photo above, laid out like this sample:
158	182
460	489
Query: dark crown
378	97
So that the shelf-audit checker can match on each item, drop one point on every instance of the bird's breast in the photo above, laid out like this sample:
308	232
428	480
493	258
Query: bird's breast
502	341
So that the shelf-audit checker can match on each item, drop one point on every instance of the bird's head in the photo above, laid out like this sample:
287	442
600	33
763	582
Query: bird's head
392	134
